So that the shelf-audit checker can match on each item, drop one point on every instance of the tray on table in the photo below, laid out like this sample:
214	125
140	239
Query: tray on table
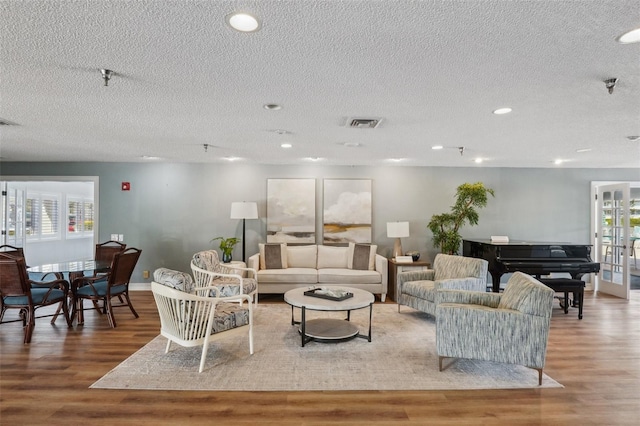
316	293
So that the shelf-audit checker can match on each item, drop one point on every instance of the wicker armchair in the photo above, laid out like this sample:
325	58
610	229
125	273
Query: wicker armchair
191	320
510	327
209	271
417	289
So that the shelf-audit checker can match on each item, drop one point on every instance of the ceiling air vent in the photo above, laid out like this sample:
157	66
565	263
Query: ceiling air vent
364	123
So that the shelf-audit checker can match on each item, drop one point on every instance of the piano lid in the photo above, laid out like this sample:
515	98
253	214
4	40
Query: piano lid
524	243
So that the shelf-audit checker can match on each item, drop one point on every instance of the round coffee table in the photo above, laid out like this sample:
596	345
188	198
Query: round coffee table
329	329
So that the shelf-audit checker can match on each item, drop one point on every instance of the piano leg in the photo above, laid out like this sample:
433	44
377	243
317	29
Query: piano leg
495	278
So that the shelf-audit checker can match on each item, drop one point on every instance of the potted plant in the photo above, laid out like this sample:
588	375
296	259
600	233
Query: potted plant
226	246
445	227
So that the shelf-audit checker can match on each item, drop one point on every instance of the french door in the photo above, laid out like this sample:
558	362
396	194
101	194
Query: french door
13	215
612	237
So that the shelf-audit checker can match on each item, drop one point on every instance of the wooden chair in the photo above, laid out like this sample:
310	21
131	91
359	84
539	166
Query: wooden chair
12	251
192	320
17	291
105	251
116	284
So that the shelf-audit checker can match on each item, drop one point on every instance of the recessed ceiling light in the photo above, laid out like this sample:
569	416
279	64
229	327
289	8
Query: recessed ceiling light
150	157
243	22
583	150
314	159
286	145
558	162
632	36
272	107
396	160
231	158
478	160
501	111
352	144
437	147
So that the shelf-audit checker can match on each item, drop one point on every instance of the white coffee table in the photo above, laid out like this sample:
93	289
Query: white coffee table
329	329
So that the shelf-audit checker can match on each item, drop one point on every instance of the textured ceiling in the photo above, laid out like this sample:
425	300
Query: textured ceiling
432	70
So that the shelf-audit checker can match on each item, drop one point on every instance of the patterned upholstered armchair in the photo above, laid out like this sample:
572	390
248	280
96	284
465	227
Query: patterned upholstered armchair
510	327
193	319
417	289
224	277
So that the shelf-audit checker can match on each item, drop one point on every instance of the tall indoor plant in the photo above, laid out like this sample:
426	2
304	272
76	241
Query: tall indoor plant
445	227
226	246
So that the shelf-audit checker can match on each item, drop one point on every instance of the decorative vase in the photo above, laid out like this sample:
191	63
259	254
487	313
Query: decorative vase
226	257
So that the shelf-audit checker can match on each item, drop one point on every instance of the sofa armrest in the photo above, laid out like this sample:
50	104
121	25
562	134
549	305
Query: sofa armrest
382	266
254	263
468	297
471	284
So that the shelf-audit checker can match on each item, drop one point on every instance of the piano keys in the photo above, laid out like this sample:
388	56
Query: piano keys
533	258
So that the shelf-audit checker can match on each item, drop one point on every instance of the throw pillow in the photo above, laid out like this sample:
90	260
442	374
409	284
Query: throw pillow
362	256
273	256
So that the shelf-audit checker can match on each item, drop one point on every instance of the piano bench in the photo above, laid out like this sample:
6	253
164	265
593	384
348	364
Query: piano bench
567	285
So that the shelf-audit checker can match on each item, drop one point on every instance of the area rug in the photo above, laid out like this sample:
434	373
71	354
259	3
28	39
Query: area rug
401	356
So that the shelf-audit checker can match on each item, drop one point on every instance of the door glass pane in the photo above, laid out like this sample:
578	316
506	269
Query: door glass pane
613	235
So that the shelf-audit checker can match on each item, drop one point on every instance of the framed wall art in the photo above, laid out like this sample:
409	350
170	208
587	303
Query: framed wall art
291	210
347	211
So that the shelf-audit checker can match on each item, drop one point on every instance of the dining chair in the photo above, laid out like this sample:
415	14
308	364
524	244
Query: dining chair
100	289
17	291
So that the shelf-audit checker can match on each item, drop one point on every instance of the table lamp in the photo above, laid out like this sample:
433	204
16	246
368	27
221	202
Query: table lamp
397	230
244	210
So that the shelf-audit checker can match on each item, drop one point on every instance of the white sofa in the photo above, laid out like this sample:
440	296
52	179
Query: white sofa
282	267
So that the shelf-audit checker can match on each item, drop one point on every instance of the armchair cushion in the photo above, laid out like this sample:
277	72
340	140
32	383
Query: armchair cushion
228	316
449	266
174	279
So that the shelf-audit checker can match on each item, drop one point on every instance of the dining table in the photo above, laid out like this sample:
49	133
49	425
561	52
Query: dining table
74	269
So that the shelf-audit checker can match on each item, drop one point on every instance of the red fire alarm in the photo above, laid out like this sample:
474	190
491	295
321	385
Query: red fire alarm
126	186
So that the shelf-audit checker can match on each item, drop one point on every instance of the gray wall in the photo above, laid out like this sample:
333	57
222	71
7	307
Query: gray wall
174	210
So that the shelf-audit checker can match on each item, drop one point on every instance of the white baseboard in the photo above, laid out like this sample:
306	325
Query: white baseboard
140	286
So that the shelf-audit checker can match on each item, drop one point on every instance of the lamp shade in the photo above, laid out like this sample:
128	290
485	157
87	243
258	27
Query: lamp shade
244	210
397	229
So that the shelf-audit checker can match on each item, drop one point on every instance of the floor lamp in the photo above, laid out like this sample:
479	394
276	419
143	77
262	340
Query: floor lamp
397	230
244	210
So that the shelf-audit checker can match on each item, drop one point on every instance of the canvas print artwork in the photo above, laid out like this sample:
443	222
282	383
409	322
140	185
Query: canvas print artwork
347	211
291	210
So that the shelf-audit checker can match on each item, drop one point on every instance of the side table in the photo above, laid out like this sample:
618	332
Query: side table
237	264
396	267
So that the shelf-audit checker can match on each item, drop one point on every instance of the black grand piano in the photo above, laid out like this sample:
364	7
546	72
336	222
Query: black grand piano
533	258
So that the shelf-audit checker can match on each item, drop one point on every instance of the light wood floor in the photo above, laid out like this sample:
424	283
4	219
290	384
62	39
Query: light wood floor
47	382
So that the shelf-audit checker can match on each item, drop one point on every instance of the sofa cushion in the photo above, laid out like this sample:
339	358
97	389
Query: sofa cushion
302	256
273	256
362	256
332	257
348	276
289	275
420	289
